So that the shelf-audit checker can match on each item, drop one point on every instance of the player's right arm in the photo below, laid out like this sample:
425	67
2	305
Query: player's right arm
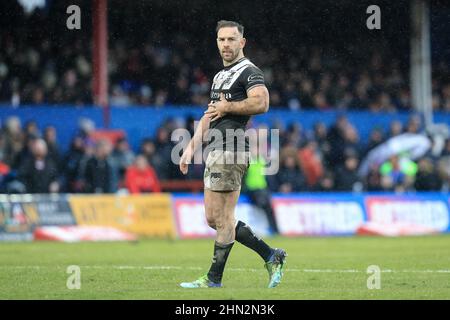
257	101
195	143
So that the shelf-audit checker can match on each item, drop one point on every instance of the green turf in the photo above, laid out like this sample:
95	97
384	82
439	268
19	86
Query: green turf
317	268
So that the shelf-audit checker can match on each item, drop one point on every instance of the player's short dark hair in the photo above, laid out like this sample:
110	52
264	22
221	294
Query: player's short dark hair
226	23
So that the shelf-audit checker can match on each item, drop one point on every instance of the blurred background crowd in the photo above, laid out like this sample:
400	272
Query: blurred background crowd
323	159
327	63
165	63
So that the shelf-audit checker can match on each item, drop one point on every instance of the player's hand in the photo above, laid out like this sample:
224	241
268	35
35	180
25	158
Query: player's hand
218	109
185	161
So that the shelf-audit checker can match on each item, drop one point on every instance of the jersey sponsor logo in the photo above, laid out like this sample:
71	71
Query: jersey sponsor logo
255	78
216	95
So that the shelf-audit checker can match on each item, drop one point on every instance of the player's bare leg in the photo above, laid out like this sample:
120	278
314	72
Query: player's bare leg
219	210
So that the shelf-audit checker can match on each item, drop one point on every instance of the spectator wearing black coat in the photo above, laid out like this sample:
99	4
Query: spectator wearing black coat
336	140
427	177
290	177
98	171
38	172
347	177
375	139
52	145
326	183
71	165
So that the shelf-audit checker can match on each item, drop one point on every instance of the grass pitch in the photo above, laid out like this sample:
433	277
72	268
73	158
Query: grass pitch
317	268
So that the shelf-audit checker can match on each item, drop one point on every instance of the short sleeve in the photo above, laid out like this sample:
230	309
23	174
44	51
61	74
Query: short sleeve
252	77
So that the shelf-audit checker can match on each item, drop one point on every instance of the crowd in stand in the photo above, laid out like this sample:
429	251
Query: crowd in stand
152	75
51	65
31	161
329	159
42	63
325	159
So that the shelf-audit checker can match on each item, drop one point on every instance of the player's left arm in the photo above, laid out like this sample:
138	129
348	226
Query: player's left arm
257	102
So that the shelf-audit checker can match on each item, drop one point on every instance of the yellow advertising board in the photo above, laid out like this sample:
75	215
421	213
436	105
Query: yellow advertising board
146	215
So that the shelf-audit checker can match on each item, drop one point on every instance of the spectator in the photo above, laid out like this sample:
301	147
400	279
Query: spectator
311	162
148	150
395	129
166	170
326	183
427	178
320	134
98	170
89	152
290	177
72	163
121	158
52	144
336	139
14	141
398	173
375	139
351	143
31	130
38	172
413	125
373	179
141	177
4	171
294	135
346	176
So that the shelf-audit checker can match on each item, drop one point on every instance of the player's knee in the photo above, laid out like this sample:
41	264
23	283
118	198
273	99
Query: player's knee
211	222
224	225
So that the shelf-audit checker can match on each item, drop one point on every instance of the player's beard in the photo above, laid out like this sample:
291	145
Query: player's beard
231	56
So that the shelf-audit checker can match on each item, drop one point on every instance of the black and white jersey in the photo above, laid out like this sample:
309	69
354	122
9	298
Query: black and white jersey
234	81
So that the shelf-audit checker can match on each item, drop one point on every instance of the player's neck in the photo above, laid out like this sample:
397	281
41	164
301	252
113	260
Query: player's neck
239	57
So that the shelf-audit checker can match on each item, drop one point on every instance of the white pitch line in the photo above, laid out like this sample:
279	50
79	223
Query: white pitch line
328	270
125	267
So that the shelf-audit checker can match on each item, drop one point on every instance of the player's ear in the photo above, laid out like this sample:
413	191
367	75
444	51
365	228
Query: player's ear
243	41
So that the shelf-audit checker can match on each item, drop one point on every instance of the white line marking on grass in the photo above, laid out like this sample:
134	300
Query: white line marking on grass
125	267
327	270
